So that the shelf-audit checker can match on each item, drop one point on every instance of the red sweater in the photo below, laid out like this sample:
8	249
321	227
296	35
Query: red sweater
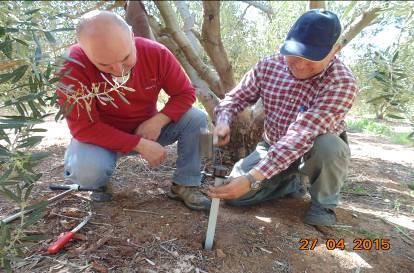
111	127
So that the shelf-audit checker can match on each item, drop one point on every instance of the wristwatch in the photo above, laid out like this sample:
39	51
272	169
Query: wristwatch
254	184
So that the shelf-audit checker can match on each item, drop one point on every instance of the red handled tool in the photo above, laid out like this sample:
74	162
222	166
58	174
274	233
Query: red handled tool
65	237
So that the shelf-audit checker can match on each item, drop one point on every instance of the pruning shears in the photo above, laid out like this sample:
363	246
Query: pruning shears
64	238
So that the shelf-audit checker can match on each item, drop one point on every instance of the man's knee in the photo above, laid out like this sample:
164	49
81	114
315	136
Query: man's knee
88	165
88	174
195	118
330	147
244	165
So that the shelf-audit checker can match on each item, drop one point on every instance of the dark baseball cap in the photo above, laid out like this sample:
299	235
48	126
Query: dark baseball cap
313	35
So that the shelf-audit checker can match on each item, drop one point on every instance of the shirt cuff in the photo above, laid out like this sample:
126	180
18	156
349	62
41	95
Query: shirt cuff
130	144
223	118
267	168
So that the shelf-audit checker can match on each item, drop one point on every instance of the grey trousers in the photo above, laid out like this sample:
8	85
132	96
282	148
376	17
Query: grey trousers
326	165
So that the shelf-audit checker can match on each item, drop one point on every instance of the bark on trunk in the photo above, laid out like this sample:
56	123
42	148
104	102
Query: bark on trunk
204	93
188	25
316	5
179	37
212	43
136	16
359	24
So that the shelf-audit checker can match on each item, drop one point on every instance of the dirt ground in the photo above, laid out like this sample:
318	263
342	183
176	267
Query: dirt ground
142	230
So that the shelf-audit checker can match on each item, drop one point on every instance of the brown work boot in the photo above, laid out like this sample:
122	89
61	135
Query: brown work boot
191	196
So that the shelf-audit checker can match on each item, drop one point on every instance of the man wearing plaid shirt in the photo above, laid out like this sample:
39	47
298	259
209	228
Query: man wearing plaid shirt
306	92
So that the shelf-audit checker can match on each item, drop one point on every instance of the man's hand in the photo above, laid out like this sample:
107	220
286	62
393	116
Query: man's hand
151	151
237	187
151	128
222	133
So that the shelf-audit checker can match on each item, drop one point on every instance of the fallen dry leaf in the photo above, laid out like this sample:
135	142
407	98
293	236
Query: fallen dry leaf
72	212
67	224
80	237
98	267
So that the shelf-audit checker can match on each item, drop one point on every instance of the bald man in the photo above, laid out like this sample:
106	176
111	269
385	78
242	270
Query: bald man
124	120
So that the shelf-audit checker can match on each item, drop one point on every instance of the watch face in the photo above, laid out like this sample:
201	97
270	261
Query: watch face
255	185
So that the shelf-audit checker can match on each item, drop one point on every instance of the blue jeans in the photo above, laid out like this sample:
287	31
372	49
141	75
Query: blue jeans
90	165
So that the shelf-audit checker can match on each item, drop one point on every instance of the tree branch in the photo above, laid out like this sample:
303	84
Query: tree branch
136	16
359	24
312	4
99	5
10	64
189	21
212	43
179	37
204	94
262	7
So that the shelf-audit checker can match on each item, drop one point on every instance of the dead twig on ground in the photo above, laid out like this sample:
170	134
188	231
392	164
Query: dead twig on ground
141	211
356	193
407	238
174	254
79	218
98	244
67	263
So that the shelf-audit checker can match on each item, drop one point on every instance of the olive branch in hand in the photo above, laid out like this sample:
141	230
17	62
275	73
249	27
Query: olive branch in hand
84	97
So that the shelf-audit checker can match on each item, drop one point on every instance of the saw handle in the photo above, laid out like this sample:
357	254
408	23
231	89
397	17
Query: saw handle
60	242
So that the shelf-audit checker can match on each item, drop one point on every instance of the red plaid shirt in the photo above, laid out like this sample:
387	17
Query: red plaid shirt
290	132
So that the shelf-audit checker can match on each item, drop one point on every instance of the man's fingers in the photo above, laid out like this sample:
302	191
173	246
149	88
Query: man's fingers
224	140
159	160
224	189
220	196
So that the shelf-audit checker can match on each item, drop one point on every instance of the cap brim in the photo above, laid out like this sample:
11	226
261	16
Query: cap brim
312	53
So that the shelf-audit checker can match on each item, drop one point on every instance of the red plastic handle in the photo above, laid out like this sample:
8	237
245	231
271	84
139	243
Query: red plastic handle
61	242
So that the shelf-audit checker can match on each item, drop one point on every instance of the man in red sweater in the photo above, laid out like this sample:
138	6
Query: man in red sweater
110	86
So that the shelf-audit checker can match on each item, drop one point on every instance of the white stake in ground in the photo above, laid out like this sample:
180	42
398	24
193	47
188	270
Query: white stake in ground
212	219
219	174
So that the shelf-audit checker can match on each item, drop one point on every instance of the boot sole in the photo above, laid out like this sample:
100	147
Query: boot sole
314	222
175	196
101	197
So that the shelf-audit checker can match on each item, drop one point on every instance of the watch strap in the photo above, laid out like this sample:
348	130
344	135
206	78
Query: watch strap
254	184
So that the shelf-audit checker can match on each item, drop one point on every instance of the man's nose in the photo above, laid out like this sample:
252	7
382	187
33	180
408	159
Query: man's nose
118	69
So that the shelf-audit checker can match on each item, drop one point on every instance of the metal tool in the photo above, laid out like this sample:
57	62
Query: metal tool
68	189
75	187
64	238
49	201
